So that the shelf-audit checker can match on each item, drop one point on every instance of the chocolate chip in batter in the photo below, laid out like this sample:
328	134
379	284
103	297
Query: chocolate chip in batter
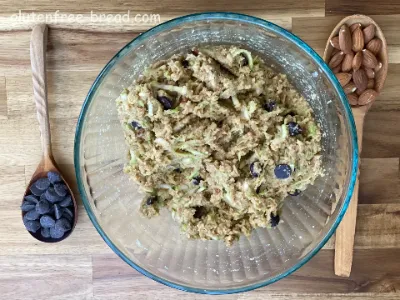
274	220
151	200
282	171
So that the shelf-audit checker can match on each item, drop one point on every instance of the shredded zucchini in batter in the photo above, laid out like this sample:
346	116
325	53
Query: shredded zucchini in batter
220	140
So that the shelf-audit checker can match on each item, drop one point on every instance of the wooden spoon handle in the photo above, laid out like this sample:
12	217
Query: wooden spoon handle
38	64
344	242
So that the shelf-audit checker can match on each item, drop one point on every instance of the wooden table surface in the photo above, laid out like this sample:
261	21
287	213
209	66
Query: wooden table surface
83	267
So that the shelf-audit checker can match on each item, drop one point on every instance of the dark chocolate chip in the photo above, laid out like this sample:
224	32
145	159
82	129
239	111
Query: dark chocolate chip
42	183
43	207
54	177
66	202
52	196
185	63
58	211
35	190
165	101
151	200
69	212
32	215
63	224
45	232
32	199
270	106
274	220
47	221
282	171
296	192
294	128
196	180
67	216
56	233
135	125
61	189
27	206
200	212
31	226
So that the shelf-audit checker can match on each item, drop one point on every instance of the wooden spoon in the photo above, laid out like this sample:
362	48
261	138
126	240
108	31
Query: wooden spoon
345	233
47	163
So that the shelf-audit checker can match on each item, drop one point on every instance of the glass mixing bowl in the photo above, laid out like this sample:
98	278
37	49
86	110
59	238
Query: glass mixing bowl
155	247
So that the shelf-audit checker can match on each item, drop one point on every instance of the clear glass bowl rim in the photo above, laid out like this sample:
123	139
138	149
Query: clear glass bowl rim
229	17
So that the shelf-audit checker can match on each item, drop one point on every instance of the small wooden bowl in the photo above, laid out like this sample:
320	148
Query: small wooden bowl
382	55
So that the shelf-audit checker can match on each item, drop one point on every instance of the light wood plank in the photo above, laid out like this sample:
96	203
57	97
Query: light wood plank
277	7
66	94
70	47
3	98
12	184
119	22
113	278
45	277
15	239
24	147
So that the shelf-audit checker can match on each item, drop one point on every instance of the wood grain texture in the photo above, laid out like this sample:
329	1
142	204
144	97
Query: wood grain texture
273	7
57	277
381	134
3	98
366	7
378	275
83	267
38	49
344	236
379	181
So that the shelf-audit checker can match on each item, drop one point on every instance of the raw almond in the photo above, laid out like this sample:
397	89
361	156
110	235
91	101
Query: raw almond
355	26
360	79
379	80
369	33
359	92
335	42
374	45
370	73
337	69
334	51
371	83
378	67
358	40
347	62
344	78
352	98
336	60
367	97
369	59
357	61
350	88
345	42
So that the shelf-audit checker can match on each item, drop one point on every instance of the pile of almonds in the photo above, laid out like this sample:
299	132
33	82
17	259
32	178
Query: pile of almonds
354	61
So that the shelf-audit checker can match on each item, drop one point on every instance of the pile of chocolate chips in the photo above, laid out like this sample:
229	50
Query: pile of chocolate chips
48	207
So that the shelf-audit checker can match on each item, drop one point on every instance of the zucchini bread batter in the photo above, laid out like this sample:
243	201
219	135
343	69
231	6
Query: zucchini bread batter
220	140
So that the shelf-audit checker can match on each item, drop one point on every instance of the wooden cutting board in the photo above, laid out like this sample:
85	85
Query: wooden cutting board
83	267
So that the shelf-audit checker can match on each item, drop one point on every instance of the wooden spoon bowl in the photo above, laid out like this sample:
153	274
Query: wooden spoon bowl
344	241
47	164
382	55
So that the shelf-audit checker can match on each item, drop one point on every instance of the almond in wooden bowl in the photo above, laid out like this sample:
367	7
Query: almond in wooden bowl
368	52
